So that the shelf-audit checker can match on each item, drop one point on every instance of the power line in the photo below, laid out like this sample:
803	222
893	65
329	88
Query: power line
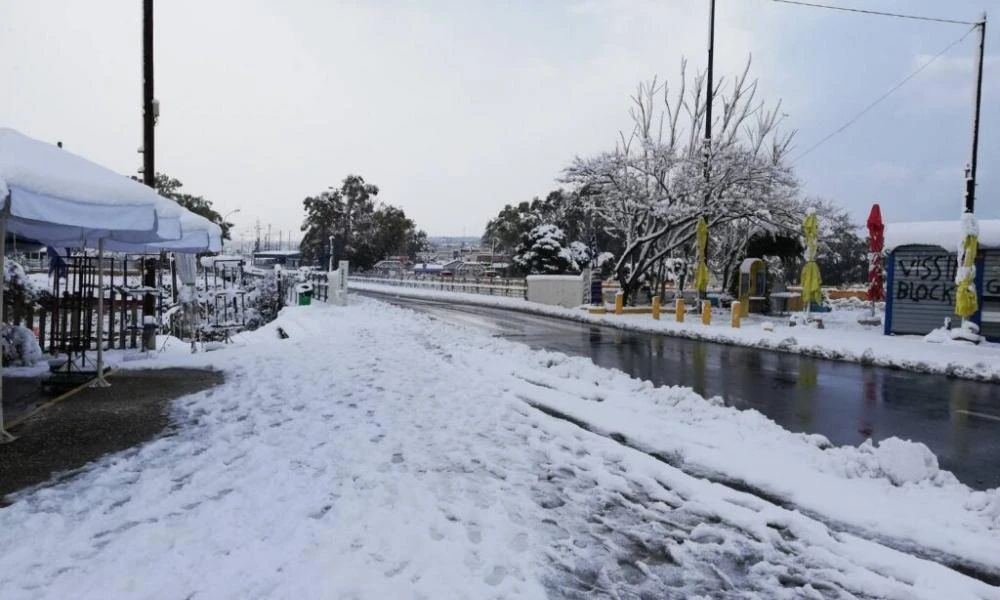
878	100
879	13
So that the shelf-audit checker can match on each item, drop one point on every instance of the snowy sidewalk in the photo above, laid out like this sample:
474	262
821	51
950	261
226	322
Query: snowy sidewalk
842	339
377	453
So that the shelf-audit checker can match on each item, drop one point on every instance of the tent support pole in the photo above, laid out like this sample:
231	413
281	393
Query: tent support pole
100	382
5	436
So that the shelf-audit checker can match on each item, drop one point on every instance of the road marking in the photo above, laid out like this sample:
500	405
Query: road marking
979	414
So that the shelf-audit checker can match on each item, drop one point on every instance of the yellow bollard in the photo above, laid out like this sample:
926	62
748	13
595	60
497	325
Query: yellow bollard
737	313
679	310
706	312
656	308
619	303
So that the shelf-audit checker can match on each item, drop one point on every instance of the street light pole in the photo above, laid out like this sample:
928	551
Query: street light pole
226	222
970	171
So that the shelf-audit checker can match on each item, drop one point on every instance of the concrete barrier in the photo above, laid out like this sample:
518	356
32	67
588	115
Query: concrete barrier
557	290
337	280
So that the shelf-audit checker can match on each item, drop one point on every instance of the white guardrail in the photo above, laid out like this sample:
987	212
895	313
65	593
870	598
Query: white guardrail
487	287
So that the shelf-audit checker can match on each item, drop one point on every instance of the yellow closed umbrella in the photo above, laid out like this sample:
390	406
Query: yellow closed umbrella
810	279
701	268
966	302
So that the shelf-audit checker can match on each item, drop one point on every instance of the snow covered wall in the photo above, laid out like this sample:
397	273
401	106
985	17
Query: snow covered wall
557	290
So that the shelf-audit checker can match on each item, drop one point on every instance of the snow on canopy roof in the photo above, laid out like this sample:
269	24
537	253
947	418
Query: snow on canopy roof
52	186
276	253
197	234
946	234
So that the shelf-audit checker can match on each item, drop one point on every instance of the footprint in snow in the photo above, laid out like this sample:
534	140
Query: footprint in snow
496	576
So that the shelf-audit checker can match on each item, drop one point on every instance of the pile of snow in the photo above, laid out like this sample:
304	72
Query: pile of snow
854	303
903	461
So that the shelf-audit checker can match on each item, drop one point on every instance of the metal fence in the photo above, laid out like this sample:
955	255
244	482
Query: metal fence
321	285
511	288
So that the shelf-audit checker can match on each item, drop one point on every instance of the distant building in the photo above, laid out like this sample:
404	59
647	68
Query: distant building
268	259
31	254
389	267
428	269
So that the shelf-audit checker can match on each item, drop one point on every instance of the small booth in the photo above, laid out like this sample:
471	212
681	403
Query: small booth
920	277
753	286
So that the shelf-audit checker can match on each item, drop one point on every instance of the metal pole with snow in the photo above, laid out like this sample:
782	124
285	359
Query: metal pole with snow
966	302
100	381
701	283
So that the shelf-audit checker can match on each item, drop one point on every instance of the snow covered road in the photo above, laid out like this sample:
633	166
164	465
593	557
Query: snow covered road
380	454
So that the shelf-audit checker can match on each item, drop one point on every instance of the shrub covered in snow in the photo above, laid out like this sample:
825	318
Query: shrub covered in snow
264	300
20	348
18	288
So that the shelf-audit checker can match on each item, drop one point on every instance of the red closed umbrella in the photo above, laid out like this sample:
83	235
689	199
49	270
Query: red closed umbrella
876	243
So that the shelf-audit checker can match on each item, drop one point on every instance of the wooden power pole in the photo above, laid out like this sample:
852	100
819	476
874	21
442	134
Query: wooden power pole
970	172
148	166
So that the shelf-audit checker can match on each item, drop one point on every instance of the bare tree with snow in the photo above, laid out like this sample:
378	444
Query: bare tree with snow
652	188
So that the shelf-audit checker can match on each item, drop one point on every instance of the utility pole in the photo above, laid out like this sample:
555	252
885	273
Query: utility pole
970	171
148	102
709	95
148	166
708	89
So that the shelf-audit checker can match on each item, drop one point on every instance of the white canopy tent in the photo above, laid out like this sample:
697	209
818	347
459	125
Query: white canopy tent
52	195
195	234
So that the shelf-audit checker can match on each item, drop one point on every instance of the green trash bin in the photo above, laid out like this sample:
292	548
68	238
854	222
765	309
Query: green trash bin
305	291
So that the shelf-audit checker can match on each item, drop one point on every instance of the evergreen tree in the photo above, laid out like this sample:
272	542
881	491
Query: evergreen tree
543	251
362	232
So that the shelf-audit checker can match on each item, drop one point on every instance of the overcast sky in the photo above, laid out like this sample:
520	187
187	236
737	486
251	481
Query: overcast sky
455	108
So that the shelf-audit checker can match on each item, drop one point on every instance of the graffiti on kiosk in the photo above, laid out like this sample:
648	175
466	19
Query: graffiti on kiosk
926	279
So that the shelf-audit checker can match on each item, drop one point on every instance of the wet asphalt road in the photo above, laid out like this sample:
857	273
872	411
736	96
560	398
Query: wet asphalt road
847	403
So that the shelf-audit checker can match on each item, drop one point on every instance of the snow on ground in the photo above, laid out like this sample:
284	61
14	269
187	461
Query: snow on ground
377	453
842	338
